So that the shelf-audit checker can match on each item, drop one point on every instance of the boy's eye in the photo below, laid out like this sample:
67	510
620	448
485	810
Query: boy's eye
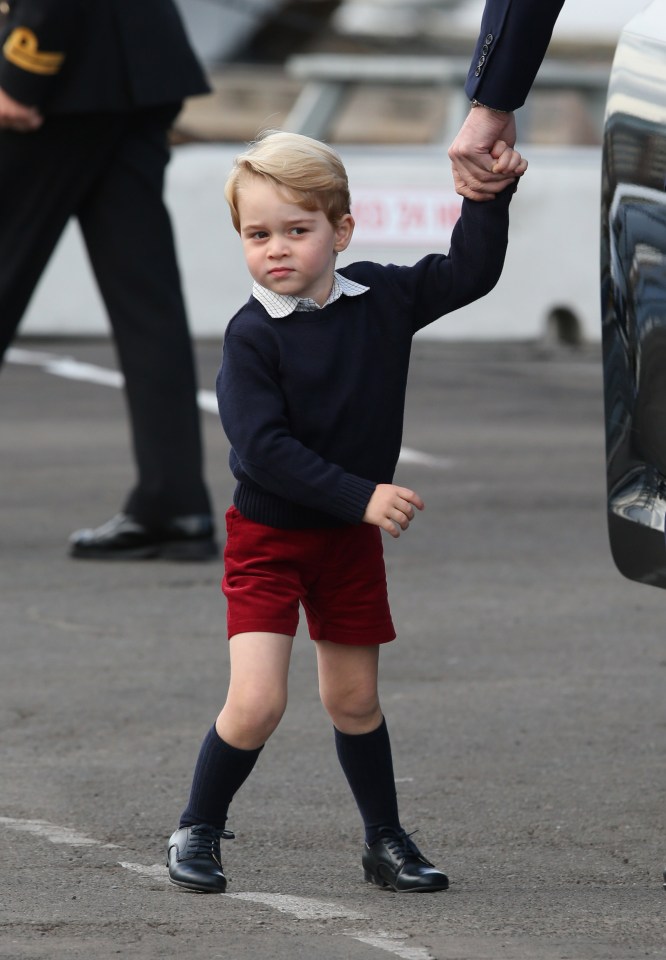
298	231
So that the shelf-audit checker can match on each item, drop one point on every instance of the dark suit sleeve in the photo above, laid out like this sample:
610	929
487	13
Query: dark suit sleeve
36	40
512	43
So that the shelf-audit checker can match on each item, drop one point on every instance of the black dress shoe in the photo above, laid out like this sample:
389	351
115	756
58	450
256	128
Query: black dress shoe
125	538
193	858
396	862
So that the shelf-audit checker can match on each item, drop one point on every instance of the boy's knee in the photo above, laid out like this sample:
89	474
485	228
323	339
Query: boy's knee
353	710
254	718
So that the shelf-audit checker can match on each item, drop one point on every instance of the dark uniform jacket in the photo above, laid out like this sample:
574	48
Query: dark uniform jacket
71	56
512	43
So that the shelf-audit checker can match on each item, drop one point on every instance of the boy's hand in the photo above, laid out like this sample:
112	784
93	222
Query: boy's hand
508	162
392	508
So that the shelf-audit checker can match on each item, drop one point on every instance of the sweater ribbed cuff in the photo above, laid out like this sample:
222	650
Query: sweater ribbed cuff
353	496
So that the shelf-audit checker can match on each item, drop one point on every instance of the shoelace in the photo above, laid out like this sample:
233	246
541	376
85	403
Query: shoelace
401	845
205	840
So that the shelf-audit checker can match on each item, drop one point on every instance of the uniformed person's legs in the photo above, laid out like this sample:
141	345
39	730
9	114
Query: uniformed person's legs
129	238
43	174
49	175
128	234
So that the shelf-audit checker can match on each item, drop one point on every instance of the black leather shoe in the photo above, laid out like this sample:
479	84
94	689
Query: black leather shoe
125	538
396	862
193	858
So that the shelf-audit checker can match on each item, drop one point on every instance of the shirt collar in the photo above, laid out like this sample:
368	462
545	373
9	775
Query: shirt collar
280	305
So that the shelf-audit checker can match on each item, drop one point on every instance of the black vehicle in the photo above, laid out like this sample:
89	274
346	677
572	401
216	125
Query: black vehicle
633	295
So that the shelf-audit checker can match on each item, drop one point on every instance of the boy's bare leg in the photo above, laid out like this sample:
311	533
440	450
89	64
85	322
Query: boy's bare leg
257	695
348	686
255	703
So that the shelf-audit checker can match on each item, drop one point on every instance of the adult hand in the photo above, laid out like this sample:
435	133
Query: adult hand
392	508
17	116
476	171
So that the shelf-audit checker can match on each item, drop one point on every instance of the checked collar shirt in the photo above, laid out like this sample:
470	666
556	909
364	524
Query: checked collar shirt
281	305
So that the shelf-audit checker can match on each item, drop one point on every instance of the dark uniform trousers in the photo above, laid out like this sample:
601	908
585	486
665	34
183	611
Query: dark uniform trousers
108	170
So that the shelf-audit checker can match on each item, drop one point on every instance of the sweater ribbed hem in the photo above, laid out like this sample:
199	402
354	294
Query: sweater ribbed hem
263	507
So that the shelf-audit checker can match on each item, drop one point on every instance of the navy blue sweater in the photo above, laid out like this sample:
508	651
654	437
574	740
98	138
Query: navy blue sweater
313	403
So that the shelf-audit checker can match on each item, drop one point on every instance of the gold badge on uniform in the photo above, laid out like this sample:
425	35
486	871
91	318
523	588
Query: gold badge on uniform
22	49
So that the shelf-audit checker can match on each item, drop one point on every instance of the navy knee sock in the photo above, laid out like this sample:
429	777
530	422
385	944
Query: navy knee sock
368	765
219	772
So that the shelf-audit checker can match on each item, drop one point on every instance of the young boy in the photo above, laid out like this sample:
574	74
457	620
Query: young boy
311	394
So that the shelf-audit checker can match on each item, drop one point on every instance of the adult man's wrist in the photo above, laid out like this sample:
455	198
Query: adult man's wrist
476	103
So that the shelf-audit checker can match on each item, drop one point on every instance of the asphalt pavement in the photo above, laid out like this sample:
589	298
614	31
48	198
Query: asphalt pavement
524	694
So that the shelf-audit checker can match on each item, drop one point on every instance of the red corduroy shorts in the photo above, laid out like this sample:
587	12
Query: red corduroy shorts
338	575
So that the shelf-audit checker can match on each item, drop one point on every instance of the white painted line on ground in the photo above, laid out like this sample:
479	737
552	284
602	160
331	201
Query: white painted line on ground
302	908
66	367
29	358
408	455
207	401
54	833
72	369
155	872
305	908
393	943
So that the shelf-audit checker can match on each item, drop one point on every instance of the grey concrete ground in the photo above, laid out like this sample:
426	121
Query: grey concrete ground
524	696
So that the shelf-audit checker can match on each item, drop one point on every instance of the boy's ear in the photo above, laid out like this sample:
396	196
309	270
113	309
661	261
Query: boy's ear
343	232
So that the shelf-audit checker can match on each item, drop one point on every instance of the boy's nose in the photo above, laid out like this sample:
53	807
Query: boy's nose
278	247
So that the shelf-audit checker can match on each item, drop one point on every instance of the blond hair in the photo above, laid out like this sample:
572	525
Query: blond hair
308	171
